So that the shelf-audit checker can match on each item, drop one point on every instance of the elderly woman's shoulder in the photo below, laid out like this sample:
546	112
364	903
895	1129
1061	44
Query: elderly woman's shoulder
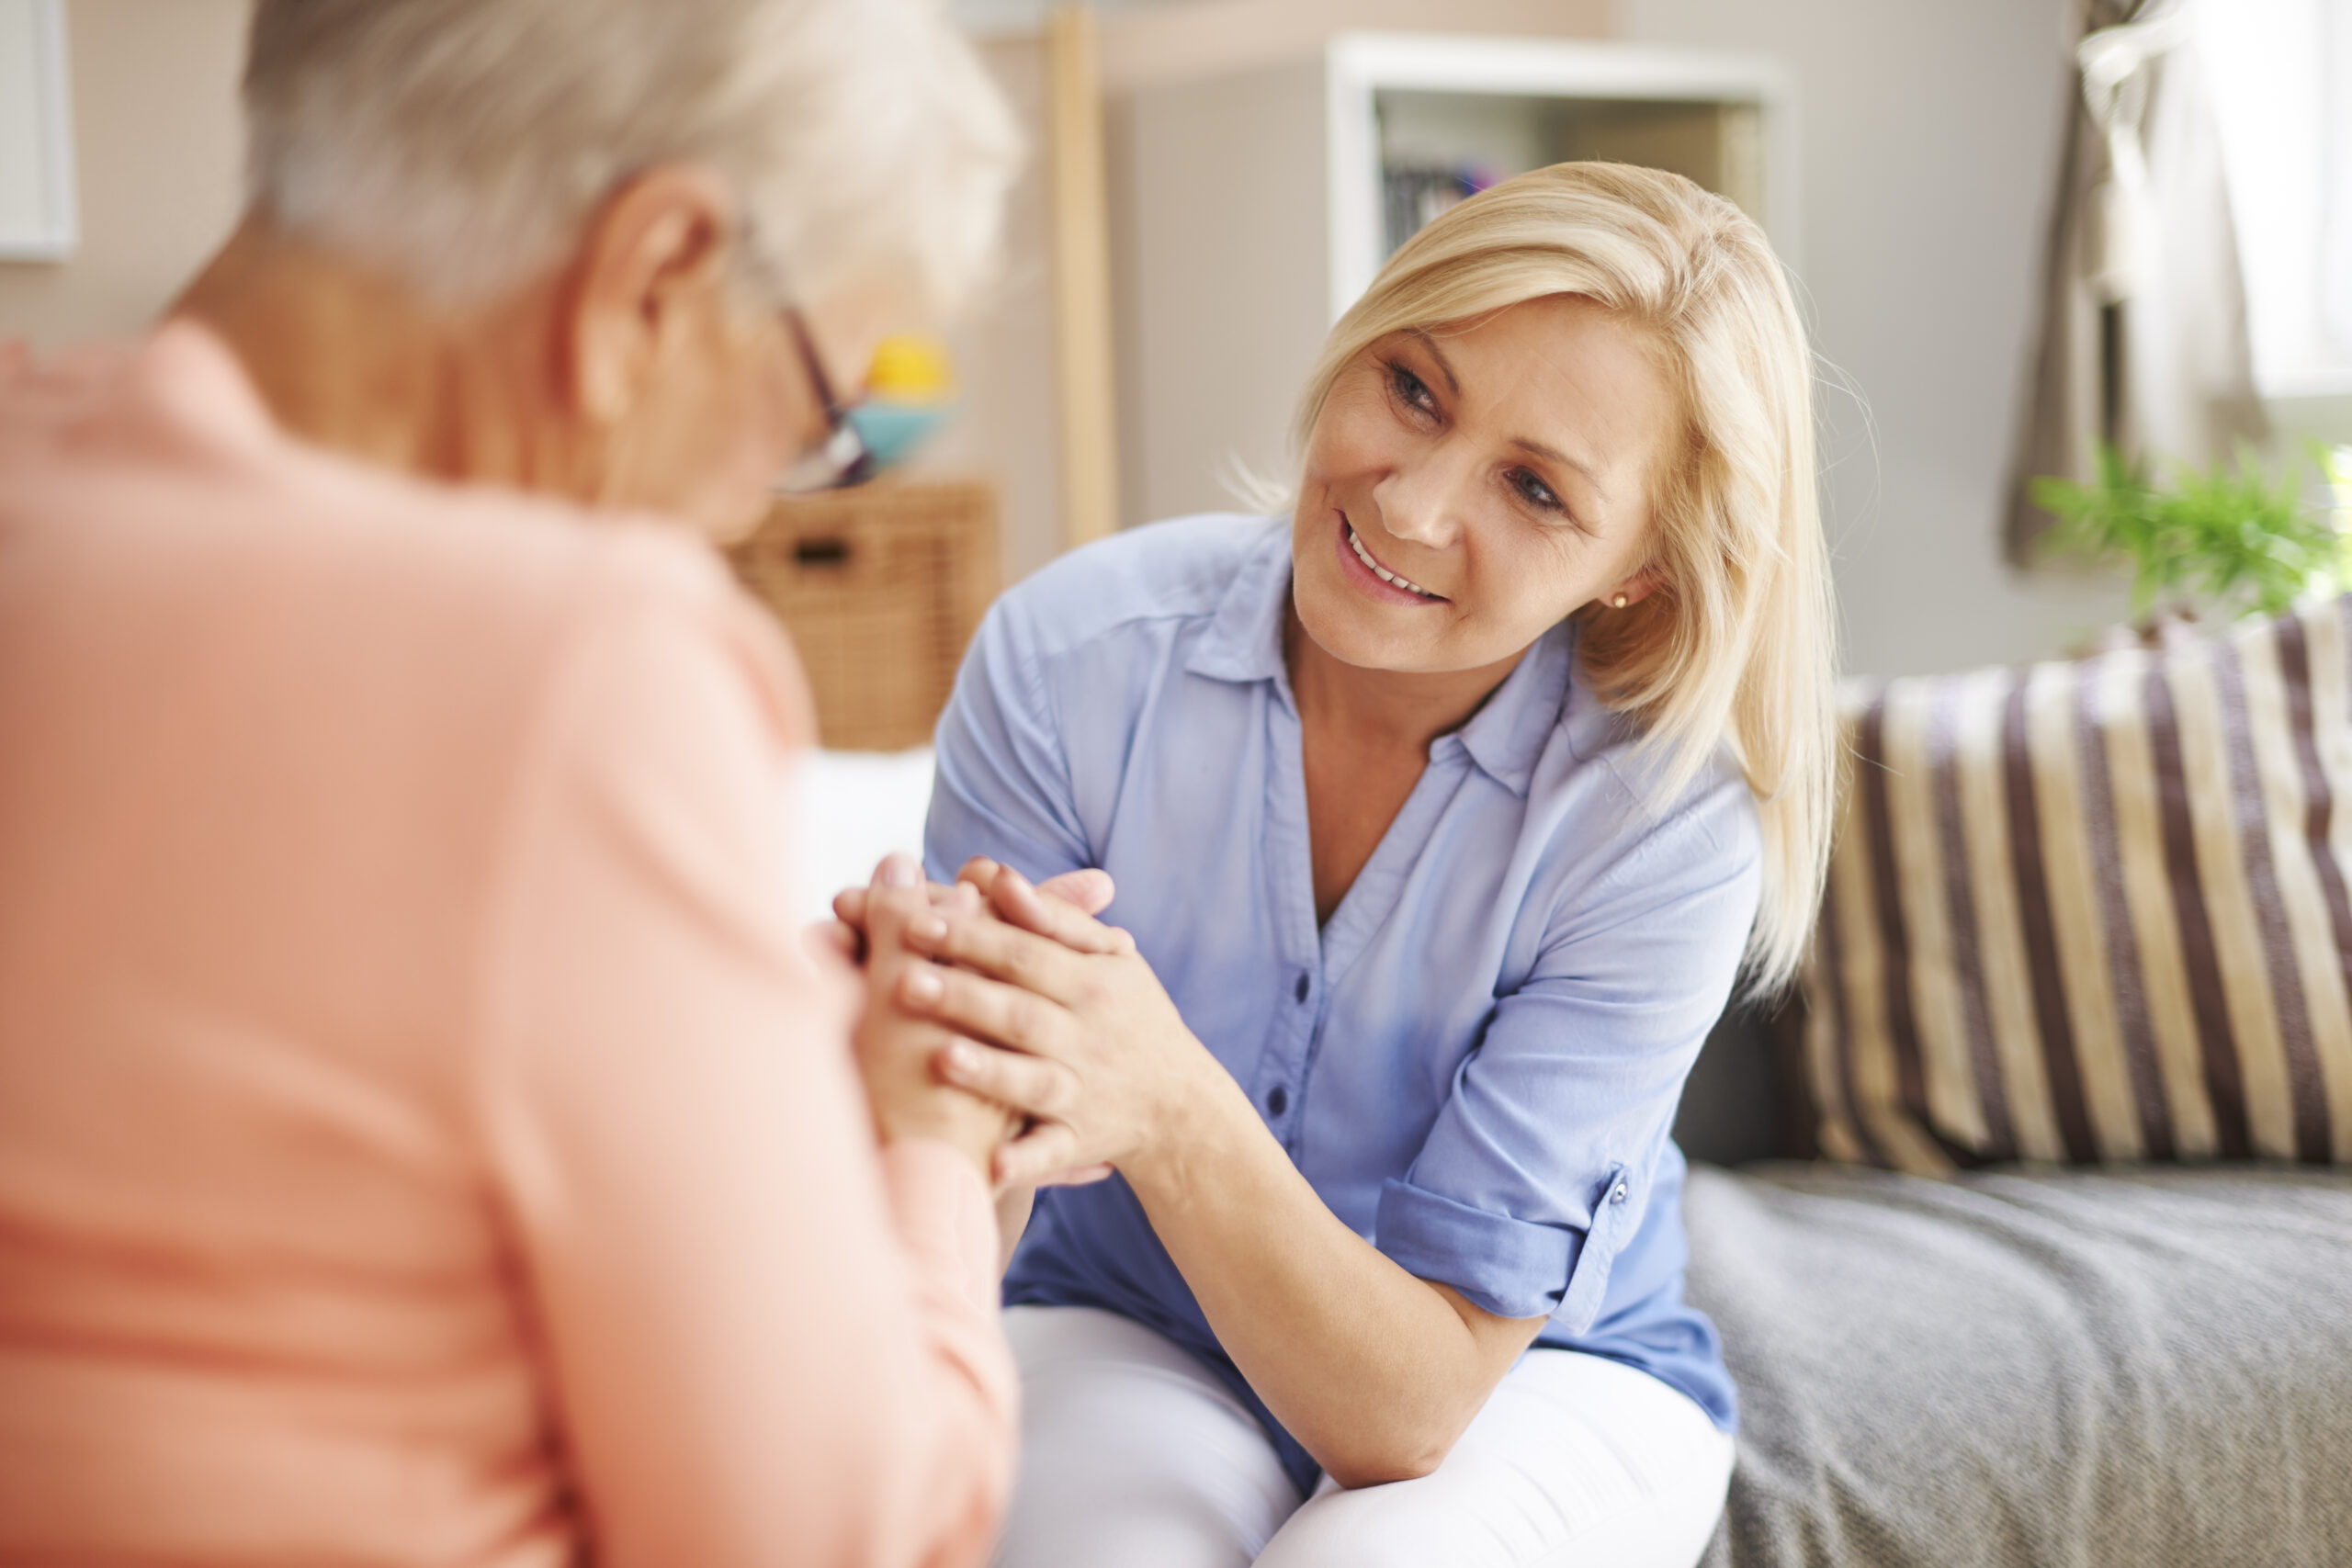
498	592
467	552
1174	571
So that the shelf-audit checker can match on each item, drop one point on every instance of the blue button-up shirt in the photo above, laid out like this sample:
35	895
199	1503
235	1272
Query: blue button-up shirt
1476	1061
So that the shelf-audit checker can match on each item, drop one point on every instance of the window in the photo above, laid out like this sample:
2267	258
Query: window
2280	76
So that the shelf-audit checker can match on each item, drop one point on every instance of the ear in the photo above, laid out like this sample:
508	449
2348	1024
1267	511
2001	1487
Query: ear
656	256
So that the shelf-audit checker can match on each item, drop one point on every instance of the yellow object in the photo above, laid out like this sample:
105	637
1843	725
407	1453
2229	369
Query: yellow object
910	368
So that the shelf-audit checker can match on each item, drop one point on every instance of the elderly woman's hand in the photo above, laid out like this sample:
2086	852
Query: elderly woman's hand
1085	1037
896	1051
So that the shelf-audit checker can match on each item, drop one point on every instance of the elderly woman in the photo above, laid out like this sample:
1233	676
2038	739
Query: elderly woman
424	1136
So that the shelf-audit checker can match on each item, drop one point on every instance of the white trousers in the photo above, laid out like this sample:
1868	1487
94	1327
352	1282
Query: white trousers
1133	1456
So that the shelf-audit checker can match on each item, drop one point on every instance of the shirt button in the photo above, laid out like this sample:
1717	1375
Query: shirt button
1300	989
1617	1194
1278	1099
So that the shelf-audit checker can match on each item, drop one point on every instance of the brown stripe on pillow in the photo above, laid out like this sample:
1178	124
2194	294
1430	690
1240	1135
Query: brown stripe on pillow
2199	965
2319	800
2248	673
2313	689
2326	632
1823	1013
1870	1078
1953	1107
2034	921
2147	882
2132	1021
1895	970
1828	1031
2000	933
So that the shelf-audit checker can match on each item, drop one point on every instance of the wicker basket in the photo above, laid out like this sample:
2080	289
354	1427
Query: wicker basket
881	588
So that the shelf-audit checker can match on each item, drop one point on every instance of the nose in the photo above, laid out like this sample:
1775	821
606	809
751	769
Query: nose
1425	502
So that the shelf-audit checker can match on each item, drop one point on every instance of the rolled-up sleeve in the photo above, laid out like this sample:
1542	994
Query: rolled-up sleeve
1537	1171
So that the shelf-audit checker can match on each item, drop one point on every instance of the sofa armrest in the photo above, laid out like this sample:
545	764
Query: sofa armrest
1745	1098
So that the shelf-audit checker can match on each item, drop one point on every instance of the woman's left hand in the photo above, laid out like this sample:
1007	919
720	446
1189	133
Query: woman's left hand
1093	1046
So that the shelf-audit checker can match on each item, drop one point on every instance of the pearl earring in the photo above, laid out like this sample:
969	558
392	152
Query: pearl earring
1618	601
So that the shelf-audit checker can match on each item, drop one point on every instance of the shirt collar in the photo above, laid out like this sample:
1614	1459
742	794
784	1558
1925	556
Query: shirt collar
1506	735
1504	738
1244	640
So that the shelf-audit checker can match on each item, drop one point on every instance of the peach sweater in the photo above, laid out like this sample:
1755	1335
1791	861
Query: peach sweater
423	1138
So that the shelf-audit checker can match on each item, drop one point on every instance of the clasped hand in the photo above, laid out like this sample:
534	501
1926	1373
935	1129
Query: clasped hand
1049	1013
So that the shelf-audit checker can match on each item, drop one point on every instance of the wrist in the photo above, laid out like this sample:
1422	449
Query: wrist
1193	1124
948	1116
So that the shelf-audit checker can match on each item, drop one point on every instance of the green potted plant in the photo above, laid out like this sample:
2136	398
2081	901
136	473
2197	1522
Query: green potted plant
2224	541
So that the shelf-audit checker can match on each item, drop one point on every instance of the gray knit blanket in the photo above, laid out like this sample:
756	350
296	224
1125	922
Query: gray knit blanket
2017	1371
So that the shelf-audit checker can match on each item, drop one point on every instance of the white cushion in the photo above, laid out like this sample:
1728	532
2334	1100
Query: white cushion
854	807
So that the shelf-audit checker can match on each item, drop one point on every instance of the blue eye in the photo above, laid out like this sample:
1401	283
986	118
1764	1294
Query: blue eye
1534	490
1411	389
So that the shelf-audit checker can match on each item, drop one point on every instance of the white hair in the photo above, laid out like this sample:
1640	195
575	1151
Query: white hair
463	143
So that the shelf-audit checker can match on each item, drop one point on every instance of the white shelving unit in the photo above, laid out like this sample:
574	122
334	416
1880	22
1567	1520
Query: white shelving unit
1249	209
1519	104
37	220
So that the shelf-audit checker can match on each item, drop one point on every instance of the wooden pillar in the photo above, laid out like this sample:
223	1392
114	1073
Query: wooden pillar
1090	470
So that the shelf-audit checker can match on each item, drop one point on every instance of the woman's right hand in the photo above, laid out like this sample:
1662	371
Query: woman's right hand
1072	1028
1063	907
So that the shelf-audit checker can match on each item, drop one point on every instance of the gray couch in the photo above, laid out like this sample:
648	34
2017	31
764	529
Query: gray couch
2014	1368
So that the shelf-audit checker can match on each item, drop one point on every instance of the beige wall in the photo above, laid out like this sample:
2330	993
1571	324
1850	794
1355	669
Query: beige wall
1929	136
1007	427
156	147
1168	42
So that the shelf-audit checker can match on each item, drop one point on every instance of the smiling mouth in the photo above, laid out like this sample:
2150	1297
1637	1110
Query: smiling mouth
1382	572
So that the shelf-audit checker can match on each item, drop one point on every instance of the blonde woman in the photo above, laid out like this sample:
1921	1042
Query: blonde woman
1443	815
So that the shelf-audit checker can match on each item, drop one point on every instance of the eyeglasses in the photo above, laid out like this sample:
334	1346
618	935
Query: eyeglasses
906	401
845	458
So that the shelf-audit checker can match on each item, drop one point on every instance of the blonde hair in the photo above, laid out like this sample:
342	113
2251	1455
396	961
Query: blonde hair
462	143
1737	646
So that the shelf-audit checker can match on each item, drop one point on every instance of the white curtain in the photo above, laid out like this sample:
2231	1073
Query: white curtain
2143	332
2336	115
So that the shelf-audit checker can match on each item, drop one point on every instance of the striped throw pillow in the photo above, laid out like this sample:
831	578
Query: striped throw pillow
2096	910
